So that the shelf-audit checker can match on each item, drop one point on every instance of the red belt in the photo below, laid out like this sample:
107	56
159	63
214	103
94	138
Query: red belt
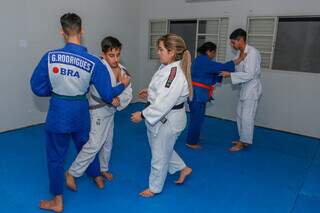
204	86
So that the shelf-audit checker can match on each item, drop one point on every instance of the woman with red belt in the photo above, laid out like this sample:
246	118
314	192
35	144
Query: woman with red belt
205	74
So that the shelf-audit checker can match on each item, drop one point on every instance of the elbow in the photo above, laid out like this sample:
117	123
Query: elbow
41	90
35	91
41	93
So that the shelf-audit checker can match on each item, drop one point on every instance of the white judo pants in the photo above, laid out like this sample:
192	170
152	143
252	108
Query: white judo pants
164	158
101	140
246	111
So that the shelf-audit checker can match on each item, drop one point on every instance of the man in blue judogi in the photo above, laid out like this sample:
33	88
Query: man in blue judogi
65	75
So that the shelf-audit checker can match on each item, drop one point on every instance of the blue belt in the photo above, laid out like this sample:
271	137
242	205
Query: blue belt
77	97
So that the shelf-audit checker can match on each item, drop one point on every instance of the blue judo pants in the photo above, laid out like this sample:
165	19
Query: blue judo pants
197	111
57	149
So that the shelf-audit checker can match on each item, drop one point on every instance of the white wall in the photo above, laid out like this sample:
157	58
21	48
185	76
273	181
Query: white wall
290	101
30	28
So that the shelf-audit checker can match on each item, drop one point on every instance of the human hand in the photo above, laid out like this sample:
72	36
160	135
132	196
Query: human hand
240	58
225	74
242	55
143	94
116	102
125	79
136	117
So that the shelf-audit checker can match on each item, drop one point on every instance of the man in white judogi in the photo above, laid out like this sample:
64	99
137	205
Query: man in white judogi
248	76
102	117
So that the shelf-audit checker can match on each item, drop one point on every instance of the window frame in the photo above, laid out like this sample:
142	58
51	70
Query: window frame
167	20
276	19
150	34
274	35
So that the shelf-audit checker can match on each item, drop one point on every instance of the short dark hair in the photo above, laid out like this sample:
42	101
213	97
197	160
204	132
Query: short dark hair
71	23
109	43
207	46
238	33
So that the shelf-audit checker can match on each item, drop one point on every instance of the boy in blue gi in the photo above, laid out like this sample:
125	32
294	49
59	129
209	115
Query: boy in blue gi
205	74
65	75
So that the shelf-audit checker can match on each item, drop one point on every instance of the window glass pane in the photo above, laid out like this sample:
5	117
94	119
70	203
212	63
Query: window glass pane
202	39
262	43
222	53
158	27
153	53
154	40
265	59
261	26
214	30
223	40
208	27
297	45
187	30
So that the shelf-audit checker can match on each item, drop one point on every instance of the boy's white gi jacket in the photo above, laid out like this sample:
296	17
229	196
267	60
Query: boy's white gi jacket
125	97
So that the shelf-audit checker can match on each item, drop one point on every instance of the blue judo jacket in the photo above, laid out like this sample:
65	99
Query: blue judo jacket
66	75
206	71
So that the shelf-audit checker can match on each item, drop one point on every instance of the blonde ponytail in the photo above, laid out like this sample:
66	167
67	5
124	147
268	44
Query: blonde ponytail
176	43
186	68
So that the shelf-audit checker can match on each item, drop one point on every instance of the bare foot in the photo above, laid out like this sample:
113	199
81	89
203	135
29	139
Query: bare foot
55	205
238	147
147	193
235	142
71	182
194	146
183	174
107	175
99	182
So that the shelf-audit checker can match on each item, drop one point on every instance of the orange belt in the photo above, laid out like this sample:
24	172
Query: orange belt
204	86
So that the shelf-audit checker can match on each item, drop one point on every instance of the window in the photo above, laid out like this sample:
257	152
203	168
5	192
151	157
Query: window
215	30
286	43
261	35
194	31
157	29
187	30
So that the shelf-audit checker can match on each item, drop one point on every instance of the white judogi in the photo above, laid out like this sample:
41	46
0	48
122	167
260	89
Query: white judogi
165	124
101	133
248	76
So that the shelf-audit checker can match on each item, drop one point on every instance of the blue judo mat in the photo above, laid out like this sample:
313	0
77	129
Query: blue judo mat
279	173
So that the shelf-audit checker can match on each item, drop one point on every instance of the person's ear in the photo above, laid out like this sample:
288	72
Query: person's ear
172	54
61	31
103	55
214	53
82	31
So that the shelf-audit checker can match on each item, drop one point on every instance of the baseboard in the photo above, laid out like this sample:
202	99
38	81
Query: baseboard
210	116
